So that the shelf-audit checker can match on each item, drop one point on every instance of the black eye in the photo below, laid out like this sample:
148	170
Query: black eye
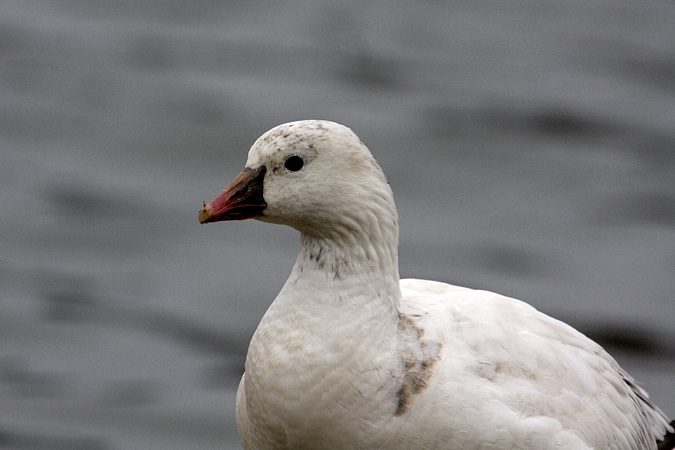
294	163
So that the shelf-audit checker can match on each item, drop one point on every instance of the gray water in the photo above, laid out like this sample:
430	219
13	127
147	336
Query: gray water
530	145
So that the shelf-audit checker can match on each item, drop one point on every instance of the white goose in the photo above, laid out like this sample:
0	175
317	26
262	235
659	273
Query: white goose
349	357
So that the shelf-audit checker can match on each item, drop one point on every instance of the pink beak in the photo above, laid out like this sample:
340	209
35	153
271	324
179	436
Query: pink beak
241	199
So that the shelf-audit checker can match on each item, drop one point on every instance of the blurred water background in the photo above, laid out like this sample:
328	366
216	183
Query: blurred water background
530	146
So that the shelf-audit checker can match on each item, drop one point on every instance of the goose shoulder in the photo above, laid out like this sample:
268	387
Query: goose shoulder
504	354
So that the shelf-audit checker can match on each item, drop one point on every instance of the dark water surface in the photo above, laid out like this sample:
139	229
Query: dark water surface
531	148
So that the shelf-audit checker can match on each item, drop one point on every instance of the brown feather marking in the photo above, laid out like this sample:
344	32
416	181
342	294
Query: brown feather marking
418	368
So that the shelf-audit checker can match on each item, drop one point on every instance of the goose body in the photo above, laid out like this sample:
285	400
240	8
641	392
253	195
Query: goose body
350	357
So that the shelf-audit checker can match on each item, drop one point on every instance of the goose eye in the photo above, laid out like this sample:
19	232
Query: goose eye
294	163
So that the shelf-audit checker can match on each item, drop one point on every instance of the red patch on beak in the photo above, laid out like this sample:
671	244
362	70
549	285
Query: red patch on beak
241	199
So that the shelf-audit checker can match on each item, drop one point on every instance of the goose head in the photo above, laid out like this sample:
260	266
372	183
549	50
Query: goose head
315	176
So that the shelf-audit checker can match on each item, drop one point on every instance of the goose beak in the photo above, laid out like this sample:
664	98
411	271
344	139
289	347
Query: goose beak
241	199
